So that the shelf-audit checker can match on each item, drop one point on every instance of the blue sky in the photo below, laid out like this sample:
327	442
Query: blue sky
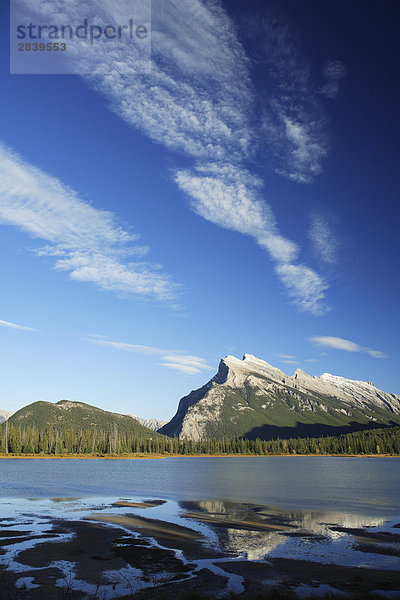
242	198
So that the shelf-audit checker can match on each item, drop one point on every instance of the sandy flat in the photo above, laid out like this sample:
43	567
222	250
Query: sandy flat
169	556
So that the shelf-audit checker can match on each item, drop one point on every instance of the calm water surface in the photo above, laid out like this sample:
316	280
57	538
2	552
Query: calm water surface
356	485
310	496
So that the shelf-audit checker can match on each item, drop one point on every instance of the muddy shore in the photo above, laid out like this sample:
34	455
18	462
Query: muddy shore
124	550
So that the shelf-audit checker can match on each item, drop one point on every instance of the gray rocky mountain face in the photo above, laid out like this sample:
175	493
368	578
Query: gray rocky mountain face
251	398
154	424
4	415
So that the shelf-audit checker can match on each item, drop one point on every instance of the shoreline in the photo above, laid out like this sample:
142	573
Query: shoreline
140	456
123	553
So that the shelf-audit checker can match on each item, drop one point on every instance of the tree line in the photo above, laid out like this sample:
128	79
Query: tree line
15	439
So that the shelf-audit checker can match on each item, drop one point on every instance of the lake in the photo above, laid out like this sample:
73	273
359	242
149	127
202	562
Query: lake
357	485
115	526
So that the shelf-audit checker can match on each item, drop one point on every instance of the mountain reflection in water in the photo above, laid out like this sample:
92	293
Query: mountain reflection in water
255	532
112	544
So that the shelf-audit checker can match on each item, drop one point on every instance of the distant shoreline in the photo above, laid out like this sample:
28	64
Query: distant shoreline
140	456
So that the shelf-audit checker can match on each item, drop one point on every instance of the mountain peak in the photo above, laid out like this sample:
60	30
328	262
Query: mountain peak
4	415
66	413
249	365
153	424
69	403
301	373
251	357
250	397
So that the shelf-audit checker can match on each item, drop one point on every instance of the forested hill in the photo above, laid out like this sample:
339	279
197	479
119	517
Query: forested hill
70	442
78	416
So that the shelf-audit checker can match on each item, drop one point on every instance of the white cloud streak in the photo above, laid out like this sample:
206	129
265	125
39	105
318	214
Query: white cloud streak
342	344
186	369
323	239
15	326
171	359
200	102
85	241
230	197
305	286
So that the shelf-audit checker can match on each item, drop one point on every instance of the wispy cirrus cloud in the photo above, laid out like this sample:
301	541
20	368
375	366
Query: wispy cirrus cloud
171	359
15	326
342	344
84	241
230	197
292	119
288	359
185	364
334	71
324	240
200	102
305	286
